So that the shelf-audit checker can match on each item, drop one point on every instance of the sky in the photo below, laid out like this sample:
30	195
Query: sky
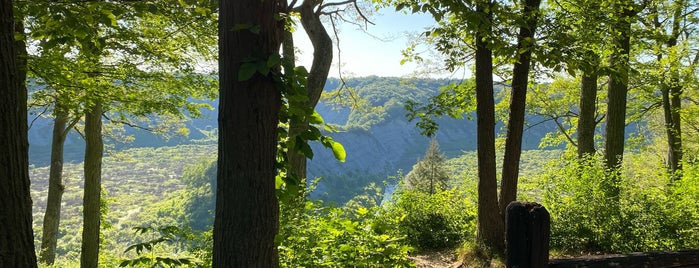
375	51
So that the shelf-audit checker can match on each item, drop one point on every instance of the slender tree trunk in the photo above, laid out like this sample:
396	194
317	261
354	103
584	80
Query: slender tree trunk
52	216
247	209
586	117
672	103
93	185
675	140
490	224
618	85
671	107
16	237
322	60
515	125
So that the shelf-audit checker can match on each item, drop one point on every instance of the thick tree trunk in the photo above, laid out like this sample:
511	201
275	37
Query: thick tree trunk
490	224
322	60
618	85
52	216
515	124
586	117
93	185
247	210
16	237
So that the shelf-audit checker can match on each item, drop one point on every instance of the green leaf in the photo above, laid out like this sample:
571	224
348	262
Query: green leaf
247	70
262	68
274	60
315	118
338	149
303	147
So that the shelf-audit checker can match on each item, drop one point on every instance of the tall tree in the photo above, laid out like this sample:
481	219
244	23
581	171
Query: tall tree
671	87
518	99
16	236
483	25
247	209
52	216
490	226
93	186
310	14
144	51
617	90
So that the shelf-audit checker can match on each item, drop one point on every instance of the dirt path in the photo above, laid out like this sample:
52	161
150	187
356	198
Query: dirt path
437	260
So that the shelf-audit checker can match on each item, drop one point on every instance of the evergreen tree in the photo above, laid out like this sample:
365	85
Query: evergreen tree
429	174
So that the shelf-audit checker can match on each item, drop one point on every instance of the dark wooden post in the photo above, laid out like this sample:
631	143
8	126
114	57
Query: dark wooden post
528	229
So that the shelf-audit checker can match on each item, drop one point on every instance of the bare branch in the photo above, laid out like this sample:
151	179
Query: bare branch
337	4
565	133
70	126
127	123
46	108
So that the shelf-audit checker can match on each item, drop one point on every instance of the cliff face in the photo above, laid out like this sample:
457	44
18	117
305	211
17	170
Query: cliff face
380	151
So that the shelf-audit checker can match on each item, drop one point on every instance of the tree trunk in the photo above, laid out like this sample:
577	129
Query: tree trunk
618	85
672	103
490	223
16	237
52	216
586	117
247	209
515	124
93	185
322	60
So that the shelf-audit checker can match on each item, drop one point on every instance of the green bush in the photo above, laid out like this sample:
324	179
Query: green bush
322	236
442	220
650	212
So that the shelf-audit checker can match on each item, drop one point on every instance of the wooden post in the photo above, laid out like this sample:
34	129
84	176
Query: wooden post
527	235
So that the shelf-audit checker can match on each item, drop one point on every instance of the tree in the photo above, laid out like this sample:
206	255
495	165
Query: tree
52	215
666	39
617	90
485	27
429	174
93	186
491	228
518	99
311	14
16	236
318	74
580	23
143	52
247	209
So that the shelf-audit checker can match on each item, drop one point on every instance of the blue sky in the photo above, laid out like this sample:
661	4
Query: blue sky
374	52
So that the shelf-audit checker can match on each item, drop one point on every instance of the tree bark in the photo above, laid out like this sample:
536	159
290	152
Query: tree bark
515	124
16	237
93	185
490	223
618	84
586	116
247	209
52	216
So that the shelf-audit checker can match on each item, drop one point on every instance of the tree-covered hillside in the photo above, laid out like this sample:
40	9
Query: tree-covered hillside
369	115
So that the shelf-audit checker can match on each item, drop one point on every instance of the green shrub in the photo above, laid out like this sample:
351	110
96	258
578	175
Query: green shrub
650	213
438	221
324	236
